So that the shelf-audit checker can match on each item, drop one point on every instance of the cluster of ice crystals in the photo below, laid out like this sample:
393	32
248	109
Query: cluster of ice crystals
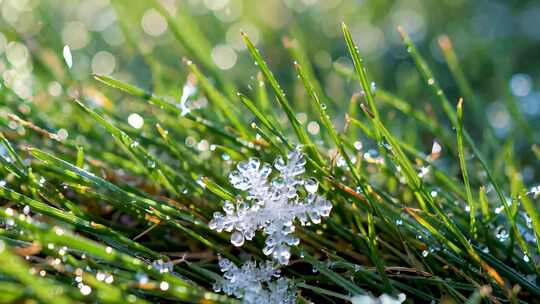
255	283
272	205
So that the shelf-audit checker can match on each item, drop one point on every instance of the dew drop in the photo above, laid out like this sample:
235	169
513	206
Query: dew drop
237	238
311	185
164	285
66	52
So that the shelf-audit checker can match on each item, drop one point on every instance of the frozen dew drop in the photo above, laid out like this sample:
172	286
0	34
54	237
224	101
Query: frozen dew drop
26	209
283	255
311	185
431	81
237	238
358	145
526	258
373	87
425	253
66	52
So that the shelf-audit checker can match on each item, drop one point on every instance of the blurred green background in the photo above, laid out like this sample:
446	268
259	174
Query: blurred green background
497	43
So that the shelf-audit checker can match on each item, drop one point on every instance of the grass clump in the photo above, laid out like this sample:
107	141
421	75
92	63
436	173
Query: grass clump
113	190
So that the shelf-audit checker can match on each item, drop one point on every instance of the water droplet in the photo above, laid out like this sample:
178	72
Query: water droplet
431	81
85	289
311	185
164	285
373	87
237	238
66	52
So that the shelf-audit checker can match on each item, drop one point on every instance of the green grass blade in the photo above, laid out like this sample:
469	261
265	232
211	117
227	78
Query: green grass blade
361	73
44	290
283	101
464	173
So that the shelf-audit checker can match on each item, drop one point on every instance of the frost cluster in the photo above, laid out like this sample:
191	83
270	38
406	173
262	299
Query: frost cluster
272	205
255	283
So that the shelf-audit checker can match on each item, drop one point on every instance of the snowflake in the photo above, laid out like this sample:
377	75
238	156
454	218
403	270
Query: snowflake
255	283
272	206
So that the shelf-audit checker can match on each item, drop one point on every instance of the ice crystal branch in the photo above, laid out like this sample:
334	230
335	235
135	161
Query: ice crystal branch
272	205
255	283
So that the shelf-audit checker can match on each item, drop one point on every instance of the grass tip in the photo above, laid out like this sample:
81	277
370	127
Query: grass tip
401	31
444	42
287	42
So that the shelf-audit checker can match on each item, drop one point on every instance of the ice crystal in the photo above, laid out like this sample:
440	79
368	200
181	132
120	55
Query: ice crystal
271	205
383	299
255	283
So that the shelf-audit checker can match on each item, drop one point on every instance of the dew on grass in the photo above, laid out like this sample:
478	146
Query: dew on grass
85	289
164	285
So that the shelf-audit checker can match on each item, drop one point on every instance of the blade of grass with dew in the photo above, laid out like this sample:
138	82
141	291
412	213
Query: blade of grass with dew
282	99
154	167
416	184
222	103
360	181
44	290
162	211
361	74
335	277
263	118
464	173
427	74
154	99
179	287
91	227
